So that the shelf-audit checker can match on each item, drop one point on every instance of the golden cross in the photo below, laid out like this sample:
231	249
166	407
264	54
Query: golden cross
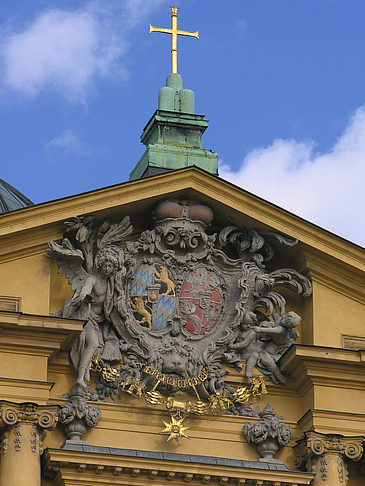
174	33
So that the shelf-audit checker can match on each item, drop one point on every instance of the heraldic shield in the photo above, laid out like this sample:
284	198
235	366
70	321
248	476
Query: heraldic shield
152	297
201	301
173	309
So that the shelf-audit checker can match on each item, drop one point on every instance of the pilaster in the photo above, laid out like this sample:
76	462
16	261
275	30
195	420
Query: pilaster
22	428
325	455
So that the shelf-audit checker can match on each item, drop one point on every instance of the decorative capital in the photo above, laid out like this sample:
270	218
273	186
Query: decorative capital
315	444
23	425
43	416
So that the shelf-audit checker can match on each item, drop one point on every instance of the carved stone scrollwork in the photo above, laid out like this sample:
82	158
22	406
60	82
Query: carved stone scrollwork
14	417
268	434
173	309
8	416
180	286
325	455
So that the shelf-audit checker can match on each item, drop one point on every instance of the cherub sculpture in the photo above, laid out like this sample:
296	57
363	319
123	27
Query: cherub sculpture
248	346
97	282
263	345
281	333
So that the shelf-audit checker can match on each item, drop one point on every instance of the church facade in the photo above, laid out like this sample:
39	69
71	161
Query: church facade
177	329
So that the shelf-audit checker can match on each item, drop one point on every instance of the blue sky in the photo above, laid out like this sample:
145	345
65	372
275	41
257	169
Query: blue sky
282	83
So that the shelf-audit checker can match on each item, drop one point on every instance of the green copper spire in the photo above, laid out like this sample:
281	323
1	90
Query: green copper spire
173	135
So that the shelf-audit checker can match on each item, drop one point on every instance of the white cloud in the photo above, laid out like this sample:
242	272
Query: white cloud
68	49
67	143
326	189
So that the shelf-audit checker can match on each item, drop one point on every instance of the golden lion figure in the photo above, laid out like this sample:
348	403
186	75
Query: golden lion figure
138	306
163	277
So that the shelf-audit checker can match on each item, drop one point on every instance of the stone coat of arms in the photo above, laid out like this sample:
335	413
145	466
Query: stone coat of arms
174	309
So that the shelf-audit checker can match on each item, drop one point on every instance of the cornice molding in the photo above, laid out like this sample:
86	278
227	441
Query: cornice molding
33	334
325	270
310	365
332	422
70	467
175	183
25	390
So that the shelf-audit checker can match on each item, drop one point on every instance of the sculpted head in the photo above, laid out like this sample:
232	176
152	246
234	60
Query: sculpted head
249	320
109	260
291	320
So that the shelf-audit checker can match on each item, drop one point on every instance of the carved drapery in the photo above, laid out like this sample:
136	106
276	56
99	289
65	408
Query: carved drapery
326	455
22	429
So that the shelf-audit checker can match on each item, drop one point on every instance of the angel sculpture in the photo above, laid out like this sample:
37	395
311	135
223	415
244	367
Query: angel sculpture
282	333
94	266
262	345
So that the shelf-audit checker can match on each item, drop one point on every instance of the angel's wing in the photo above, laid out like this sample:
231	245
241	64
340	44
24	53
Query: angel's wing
69	261
114	234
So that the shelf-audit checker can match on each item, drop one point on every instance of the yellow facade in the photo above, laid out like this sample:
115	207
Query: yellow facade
323	399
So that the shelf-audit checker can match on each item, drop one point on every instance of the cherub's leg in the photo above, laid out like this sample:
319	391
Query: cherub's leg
250	364
90	345
269	362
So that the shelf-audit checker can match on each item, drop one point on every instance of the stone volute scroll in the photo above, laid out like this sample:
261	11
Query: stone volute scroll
326	455
22	430
170	311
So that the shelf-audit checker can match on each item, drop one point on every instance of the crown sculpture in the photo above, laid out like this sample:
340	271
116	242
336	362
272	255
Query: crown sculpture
165	312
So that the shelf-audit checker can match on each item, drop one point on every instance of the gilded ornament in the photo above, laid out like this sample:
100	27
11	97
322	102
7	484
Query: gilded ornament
174	33
199	408
175	428
154	397
220	403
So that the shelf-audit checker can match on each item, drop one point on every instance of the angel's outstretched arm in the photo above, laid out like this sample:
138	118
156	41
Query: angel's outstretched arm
269	330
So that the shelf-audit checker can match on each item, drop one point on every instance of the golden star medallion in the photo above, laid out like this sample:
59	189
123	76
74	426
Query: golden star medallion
175	428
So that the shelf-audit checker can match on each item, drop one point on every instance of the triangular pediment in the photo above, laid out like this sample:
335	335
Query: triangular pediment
140	196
